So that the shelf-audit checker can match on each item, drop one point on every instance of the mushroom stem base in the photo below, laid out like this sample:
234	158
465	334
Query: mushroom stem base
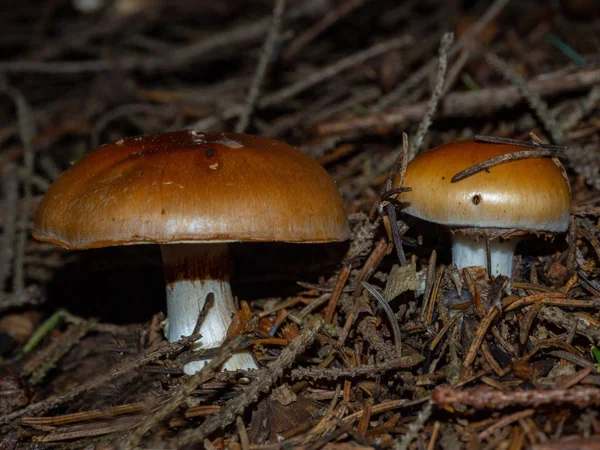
192	271
468	250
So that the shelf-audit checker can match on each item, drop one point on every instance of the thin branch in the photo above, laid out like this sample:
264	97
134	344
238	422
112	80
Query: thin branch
507	157
10	187
27	132
533	143
261	70
436	95
398	170
406	362
415	427
484	397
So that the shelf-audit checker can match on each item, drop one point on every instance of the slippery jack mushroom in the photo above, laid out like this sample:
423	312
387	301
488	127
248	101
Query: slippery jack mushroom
193	193
501	204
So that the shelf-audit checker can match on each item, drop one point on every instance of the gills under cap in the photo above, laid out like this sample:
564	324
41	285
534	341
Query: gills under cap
190	186
530	194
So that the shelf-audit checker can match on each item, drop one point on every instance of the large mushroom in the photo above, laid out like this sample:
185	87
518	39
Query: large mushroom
193	193
501	204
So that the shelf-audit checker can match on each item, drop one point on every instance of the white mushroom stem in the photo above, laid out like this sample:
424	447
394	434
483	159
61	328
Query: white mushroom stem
469	250
192	271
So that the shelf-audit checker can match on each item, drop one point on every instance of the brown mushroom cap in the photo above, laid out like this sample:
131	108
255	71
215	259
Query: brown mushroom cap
189	186
530	194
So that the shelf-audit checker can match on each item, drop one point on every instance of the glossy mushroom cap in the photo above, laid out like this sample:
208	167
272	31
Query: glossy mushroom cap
526	195
189	186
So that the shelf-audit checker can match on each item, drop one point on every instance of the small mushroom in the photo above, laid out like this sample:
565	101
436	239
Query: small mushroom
193	193
500	204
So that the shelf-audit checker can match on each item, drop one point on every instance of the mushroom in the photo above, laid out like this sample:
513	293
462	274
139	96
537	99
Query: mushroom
193	193
500	204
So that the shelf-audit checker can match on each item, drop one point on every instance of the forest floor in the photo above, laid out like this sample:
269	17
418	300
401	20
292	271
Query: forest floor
353	354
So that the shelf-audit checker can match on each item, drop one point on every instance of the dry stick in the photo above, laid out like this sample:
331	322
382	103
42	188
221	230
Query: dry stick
95	414
508	157
297	387
436	95
430	301
535	100
367	327
390	210
390	315
415	427
337	292
32	295
487	398
534	143
398	168
383	407
321	287
10	187
183	392
263	384
405	362
444	330
481	332
462	104
339	12
507	420
571	252
554	300
456	69
244	441
261	70
82	431
387	195
315	304
568	442
488	257
527	321
27	132
363	424
429	281
558	317
575	378
394	96
434	435
97	326
179	58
